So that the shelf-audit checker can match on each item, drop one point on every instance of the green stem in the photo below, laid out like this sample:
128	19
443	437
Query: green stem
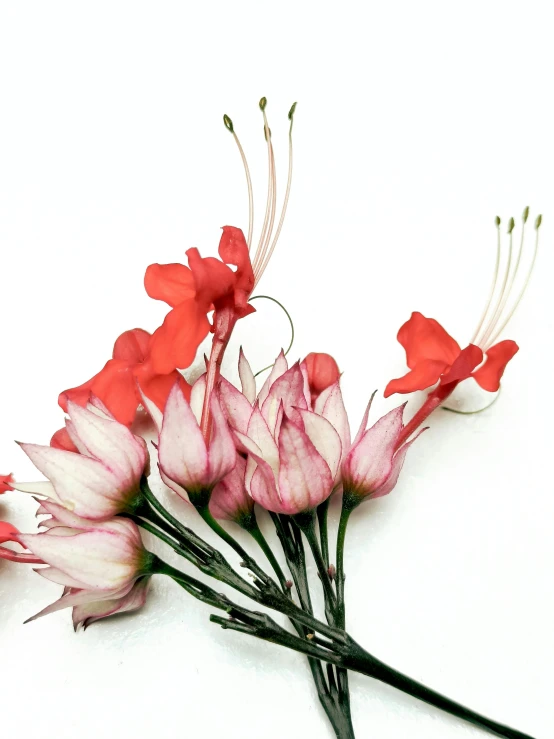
341	536
256	533
306	523
322	511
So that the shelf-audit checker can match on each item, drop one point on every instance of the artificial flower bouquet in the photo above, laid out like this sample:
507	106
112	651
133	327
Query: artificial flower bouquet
279	448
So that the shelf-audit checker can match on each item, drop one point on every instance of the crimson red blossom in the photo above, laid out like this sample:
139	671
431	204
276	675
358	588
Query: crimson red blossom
322	371
116	383
432	355
192	292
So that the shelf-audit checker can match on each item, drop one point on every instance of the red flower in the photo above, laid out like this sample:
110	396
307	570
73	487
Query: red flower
192	292
5	481
434	356
116	383
322	371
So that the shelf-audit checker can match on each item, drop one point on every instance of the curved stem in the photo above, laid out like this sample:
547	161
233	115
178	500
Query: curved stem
255	532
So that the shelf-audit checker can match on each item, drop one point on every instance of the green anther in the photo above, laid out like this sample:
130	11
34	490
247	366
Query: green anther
525	214
262	103
497	221
511	225
291	111
538	221
228	123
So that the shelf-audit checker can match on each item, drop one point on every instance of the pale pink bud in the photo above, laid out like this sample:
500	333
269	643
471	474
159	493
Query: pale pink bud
184	458
229	500
100	481
372	466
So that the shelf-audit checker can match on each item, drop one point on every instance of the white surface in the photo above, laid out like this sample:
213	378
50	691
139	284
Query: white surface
417	123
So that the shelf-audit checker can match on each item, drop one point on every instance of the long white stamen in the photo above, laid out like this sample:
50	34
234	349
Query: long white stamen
286	200
523	287
229	125
493	285
263	103
500	301
273	205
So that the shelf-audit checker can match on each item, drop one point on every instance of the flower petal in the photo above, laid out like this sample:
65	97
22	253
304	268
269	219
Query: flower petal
288	391
369	463
132	346
87	613
247	379
182	451
172	283
305	479
229	500
175	342
489	375
330	405
322	372
280	367
236	406
397	464
222	454
324	437
424	338
233	249
425	374
464	365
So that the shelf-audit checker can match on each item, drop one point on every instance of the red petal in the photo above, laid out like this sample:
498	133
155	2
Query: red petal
323	371
213	279
461	369
175	343
7	532
489	375
5	483
116	387
62	440
171	283
132	346
425	374
157	387
233	249
424	338
79	395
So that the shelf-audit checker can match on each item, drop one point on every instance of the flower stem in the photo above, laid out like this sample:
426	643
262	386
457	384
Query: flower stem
256	533
306	523
322	511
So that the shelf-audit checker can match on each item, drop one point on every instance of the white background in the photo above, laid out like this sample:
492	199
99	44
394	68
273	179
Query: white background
416	124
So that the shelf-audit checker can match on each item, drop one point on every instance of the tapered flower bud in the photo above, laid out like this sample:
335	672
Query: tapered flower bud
100	481
183	455
230	500
94	561
372	467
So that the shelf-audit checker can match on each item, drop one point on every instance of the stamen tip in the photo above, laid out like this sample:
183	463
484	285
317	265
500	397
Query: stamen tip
228	123
292	110
262	103
511	225
525	215
497	221
538	221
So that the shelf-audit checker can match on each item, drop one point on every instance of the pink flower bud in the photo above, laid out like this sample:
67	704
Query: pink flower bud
100	481
229	500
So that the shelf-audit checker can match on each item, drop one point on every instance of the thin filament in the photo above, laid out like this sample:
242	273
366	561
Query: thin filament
283	210
492	290
520	295
250	191
272	202
269	196
500	300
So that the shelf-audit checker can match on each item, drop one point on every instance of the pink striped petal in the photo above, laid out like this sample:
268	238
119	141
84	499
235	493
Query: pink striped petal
260	434
280	367
110	442
229	500
330	405
222	454
324	437
236	406
307	393
369	463
42	487
82	484
182	452
74	436
247	379
287	390
397	463
363	424
305	479
86	614
152	409
197	397
59	577
74	597
102	558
